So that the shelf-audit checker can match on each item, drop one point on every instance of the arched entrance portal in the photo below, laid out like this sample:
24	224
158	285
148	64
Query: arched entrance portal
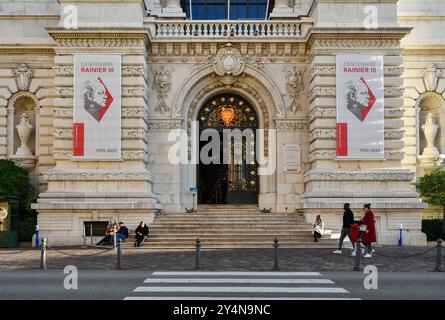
227	170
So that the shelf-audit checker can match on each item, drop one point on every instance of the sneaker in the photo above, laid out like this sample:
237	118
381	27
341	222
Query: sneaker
353	254
368	255
337	251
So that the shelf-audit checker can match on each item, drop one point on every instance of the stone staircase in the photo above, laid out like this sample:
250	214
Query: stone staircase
229	226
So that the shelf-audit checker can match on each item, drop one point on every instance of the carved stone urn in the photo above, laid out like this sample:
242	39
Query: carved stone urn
23	156
430	158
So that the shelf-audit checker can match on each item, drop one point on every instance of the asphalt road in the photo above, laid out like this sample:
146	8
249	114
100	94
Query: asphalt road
117	285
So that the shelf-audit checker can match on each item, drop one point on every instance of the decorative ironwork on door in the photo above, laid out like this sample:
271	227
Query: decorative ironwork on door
236	121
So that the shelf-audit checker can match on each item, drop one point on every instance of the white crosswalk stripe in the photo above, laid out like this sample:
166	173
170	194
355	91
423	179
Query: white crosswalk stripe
238	286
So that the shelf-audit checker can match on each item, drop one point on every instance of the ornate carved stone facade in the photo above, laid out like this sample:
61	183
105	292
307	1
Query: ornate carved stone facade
286	69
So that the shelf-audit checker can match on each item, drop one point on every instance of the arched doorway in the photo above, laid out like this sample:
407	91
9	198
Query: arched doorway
227	169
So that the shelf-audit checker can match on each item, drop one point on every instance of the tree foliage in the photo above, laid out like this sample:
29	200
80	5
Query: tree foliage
15	181
432	188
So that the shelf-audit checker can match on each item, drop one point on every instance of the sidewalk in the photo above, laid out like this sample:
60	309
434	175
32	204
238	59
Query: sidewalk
386	259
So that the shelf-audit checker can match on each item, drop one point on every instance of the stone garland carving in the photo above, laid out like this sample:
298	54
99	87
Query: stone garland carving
134	134
64	70
294	85
331	70
394	113
318	113
331	92
359	43
332	155
23	77
57	174
390	134
431	77
394	92
164	125
133	91
133	70
394	134
127	112
291	125
322	92
63	133
359	175
162	84
126	155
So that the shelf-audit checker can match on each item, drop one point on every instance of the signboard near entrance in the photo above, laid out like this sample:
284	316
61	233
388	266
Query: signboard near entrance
97	107
291	158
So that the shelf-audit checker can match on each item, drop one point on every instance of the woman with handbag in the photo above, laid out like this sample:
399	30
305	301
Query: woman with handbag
368	229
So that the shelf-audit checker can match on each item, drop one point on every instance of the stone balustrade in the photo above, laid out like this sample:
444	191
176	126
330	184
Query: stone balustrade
212	29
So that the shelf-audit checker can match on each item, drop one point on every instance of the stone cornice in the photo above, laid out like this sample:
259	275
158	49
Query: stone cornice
354	34
103	37
24	49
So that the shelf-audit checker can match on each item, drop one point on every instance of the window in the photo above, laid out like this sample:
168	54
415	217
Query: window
218	9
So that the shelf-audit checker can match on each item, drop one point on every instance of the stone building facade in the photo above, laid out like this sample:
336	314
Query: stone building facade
284	67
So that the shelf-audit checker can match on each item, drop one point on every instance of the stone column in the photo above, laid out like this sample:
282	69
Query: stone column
281	10
172	10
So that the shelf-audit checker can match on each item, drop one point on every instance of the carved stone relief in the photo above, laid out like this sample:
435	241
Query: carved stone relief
162	85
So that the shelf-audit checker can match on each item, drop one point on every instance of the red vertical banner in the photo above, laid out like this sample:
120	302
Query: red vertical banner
78	139
342	139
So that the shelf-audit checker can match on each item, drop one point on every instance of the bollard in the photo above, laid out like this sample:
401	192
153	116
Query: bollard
276	254
119	254
43	255
91	233
115	240
358	253
37	240
84	236
198	255
400	242
439	256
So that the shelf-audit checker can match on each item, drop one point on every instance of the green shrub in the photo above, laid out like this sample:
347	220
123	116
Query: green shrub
14	181
433	229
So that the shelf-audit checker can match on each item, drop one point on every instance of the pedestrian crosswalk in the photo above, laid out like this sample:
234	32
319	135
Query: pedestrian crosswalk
238	286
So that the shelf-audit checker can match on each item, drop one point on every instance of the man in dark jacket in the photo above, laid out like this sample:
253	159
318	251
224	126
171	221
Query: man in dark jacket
348	221
122	232
141	233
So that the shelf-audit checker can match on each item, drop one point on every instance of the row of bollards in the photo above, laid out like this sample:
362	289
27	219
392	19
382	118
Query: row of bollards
276	267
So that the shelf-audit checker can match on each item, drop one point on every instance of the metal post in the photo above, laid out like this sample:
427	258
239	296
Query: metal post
37	239
43	255
119	255
439	256
84	235
276	254
115	238
198	255
358	252
91	233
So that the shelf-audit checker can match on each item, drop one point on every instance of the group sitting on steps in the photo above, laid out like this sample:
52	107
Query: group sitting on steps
120	231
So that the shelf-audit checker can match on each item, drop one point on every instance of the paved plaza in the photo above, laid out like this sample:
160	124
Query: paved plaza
386	258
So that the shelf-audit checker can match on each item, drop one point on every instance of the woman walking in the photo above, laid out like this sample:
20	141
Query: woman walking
368	228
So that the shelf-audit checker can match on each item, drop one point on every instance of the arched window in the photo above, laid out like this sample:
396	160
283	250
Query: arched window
219	9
